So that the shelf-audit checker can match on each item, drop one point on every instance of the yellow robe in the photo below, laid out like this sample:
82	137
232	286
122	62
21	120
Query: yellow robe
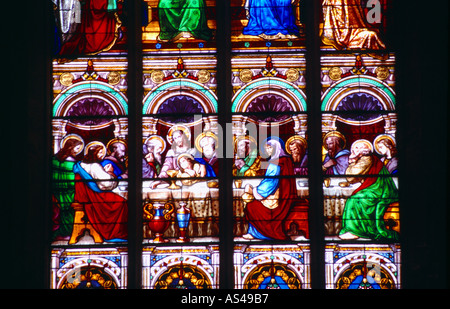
344	26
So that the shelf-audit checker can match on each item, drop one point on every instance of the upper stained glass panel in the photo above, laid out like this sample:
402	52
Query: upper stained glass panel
186	25
89	27
258	25
354	24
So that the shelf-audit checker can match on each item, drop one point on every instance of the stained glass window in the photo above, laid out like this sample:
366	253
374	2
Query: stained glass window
203	128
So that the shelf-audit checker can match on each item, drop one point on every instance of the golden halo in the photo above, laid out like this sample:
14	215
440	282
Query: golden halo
183	128
72	136
205	134
336	134
237	139
158	138
363	141
291	139
380	137
86	149
184	154
116	140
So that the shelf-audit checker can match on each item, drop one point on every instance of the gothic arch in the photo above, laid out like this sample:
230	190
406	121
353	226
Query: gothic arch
89	89
269	85
166	264
74	267
372	259
74	96
170	88
267	259
360	84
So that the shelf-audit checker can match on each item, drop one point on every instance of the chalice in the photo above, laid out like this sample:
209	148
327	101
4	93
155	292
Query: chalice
172	174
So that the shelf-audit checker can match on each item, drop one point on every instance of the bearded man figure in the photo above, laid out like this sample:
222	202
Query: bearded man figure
336	159
364	209
297	146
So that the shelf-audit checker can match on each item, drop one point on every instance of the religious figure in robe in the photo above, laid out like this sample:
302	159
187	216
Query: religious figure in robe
152	161
271	19
183	19
297	147
385	146
364	209
188	167
88	27
106	211
206	144
336	158
344	26
247	160
272	197
179	137
117	157
63	190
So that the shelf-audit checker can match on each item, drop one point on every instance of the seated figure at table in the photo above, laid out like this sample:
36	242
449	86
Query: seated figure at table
336	158
247	160
207	143
153	147
63	185
188	167
117	157
385	145
179	137
297	147
105	210
364	209
272	197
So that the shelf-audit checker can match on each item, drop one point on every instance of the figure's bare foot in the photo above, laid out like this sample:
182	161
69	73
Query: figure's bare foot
248	237
348	236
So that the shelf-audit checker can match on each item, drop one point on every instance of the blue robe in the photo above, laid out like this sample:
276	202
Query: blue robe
265	223
209	169
271	17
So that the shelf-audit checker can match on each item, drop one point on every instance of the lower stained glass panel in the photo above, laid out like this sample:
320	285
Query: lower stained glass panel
362	266
175	267
272	266
95	268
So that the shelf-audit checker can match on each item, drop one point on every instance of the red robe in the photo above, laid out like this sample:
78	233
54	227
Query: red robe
106	211
98	30
269	222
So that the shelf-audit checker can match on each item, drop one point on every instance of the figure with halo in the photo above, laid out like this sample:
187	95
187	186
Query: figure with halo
207	144
297	147
153	148
336	157
63	185
385	146
107	211
364	209
247	161
271	200
117	156
179	137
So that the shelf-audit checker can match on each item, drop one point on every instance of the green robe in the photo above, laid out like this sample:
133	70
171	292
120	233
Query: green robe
364	210
177	16
63	194
251	166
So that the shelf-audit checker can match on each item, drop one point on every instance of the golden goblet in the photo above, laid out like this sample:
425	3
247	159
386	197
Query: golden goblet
172	174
